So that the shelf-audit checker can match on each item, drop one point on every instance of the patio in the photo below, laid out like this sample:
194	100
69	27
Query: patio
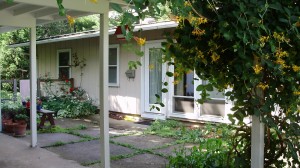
129	147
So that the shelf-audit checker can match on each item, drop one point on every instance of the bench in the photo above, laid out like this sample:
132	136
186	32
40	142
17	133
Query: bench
46	114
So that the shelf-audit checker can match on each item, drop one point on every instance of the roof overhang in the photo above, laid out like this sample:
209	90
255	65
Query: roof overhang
28	13
94	33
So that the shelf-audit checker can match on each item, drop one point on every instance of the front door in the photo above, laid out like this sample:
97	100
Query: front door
154	72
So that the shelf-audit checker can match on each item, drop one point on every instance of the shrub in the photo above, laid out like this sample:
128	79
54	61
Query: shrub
69	106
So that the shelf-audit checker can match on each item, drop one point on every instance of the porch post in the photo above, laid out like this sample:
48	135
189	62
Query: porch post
33	86
0	99
103	89
257	143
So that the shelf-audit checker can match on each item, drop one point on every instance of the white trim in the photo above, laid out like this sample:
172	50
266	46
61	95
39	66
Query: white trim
70	61
145	107
117	84
89	34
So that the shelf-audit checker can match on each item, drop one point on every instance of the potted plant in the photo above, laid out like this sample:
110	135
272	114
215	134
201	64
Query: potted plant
21	118
19	129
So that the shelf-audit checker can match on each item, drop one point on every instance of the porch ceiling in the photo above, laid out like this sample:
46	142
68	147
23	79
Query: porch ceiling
25	13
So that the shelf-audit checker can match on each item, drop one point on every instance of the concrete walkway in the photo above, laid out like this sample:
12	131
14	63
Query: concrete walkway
15	153
129	147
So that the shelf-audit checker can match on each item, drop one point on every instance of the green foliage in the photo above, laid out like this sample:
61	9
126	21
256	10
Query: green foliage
210	153
70	107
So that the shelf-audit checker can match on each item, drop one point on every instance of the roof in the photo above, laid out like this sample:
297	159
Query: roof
95	33
25	13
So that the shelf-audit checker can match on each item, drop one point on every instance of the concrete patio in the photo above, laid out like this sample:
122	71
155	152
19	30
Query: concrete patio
129	147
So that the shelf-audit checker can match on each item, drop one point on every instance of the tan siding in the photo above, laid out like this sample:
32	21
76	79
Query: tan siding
125	98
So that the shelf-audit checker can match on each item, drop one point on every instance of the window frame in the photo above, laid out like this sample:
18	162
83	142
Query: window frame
70	61
117	83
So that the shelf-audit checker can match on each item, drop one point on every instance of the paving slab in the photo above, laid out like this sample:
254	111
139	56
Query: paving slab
141	161
16	153
138	161
144	141
87	151
47	139
95	132
170	150
71	123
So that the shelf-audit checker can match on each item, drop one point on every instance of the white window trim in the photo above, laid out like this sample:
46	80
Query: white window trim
70	59
117	46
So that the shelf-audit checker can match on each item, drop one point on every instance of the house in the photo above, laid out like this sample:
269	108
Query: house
130	92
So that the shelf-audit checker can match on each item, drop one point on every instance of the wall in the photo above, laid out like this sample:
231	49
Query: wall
124	98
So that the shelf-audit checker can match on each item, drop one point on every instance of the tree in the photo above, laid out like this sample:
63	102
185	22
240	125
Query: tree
250	46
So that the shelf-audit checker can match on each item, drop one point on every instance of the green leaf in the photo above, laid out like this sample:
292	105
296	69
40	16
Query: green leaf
164	90
200	88
209	88
162	104
116	7
169	74
166	83
157	96
157	108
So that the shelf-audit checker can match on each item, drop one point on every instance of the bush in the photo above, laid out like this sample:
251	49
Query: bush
211	152
69	106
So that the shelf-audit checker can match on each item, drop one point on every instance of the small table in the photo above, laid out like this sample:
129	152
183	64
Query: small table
46	114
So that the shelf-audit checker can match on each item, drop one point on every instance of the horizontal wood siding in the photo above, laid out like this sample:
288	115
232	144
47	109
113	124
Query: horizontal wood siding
126	97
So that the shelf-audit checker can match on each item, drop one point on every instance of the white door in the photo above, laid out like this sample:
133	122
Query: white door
154	74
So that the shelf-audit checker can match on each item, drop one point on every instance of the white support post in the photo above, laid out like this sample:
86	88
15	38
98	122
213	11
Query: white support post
0	98
257	143
103	95
33	86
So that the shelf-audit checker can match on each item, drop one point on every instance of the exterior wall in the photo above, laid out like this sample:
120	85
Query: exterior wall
126	97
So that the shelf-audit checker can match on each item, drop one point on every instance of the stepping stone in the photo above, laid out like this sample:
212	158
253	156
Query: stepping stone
141	161
48	139
144	141
170	151
95	132
89	151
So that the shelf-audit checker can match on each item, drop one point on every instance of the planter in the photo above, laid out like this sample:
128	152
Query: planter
9	127
21	121
20	130
4	121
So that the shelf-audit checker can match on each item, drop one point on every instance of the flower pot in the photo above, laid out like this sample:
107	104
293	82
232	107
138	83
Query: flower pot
21	121
20	129
9	127
4	121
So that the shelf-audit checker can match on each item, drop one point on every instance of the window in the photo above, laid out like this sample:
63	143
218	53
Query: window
113	65
64	61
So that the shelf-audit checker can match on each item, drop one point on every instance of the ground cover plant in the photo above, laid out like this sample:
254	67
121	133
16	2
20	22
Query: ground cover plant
213	143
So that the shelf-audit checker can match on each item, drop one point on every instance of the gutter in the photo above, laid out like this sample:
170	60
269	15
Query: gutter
89	34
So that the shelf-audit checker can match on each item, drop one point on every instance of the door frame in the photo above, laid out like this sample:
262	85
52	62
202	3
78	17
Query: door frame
145	111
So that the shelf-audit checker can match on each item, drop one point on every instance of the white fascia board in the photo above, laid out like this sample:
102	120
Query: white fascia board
155	26
79	5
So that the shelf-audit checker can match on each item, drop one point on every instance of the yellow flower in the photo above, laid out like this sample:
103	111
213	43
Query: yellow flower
296	68
198	32
71	20
151	66
187	3
297	24
215	57
140	41
94	1
296	93
263	40
257	69
280	61
263	86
